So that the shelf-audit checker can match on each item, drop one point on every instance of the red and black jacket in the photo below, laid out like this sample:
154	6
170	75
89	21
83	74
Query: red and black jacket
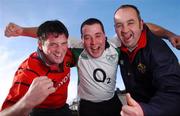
33	67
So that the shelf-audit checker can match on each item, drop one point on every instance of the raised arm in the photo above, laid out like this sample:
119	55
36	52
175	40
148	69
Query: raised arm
164	33
39	90
13	30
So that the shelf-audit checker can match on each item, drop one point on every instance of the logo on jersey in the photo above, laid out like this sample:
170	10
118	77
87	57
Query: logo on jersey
103	78
68	64
111	58
58	84
84	56
141	68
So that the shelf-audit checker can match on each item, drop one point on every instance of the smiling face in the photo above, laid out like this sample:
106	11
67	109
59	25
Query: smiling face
54	48
128	26
94	39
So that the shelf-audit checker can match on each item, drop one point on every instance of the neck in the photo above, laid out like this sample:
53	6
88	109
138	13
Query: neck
132	48
43	58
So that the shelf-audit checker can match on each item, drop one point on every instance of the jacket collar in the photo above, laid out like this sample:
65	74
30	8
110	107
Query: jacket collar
141	44
42	57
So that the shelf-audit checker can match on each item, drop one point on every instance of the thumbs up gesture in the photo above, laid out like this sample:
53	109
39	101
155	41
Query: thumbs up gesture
132	108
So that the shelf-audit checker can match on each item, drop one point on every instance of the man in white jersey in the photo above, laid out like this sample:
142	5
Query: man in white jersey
97	67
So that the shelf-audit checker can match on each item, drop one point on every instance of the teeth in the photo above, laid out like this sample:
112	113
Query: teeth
95	48
57	55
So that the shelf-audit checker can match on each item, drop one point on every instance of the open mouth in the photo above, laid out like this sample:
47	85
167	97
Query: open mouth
95	49
57	55
128	38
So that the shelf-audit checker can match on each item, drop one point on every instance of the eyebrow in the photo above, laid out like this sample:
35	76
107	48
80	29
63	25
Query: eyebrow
98	33
130	20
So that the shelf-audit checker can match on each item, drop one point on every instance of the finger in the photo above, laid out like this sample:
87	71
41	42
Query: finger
125	113
178	44
122	113
48	85
51	90
43	78
41	81
12	28
46	82
173	43
7	32
130	100
127	110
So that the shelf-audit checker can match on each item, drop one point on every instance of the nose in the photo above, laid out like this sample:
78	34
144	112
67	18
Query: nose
59	49
125	29
93	40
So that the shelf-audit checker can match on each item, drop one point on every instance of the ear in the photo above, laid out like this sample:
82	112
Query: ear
82	39
40	45
141	24
115	29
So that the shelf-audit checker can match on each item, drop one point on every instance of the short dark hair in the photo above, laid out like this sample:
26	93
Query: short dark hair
54	27
130	6
92	21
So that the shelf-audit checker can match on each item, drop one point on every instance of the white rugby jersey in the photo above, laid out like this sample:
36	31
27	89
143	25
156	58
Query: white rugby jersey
97	76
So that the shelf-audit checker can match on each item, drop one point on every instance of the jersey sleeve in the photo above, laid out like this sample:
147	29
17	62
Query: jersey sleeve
74	43
115	40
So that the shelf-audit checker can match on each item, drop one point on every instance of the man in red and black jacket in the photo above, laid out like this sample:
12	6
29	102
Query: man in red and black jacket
149	68
52	60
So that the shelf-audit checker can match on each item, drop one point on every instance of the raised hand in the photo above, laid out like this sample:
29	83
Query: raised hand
39	90
13	30
132	108
175	41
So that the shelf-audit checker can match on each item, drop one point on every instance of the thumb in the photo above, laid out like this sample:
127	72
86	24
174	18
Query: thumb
173	43
130	100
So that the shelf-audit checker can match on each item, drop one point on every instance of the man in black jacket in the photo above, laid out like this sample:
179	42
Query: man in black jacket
149	68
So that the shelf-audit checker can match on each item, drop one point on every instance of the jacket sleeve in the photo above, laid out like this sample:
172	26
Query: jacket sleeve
166	80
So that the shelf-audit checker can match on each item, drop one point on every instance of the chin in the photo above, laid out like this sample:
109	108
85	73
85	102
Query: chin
59	62
96	55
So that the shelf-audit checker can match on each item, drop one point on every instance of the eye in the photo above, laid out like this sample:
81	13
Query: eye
87	37
130	23
98	35
52	44
64	43
119	26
